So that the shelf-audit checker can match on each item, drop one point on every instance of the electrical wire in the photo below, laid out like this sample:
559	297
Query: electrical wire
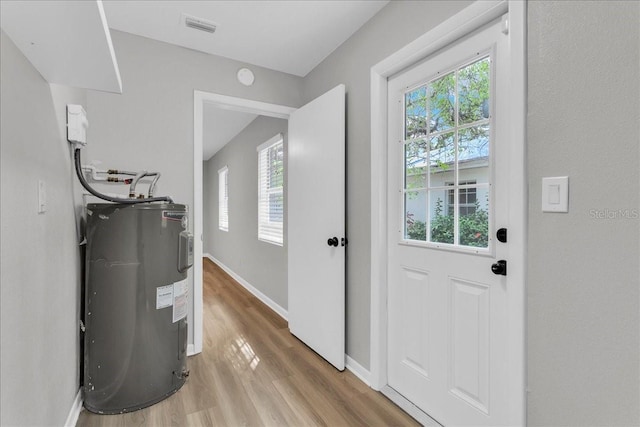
86	185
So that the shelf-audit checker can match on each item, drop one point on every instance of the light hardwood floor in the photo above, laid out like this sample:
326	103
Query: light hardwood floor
253	372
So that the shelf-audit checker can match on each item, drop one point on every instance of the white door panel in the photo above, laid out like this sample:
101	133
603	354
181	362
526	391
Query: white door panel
447	195
316	212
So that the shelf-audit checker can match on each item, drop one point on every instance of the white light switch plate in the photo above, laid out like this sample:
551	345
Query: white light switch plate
555	194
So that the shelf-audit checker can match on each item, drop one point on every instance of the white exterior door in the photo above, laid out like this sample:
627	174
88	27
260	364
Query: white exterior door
448	195
316	225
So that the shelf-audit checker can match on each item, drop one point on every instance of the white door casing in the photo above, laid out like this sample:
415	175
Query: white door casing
316	213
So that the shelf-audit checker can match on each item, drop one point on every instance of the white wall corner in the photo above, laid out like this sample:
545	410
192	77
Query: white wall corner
74	412
198	222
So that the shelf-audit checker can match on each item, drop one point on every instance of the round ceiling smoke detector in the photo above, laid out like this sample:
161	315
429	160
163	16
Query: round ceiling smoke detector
245	76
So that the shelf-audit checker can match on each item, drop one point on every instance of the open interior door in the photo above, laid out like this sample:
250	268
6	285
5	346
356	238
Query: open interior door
316	225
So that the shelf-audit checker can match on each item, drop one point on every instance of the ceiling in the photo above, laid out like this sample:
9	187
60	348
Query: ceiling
292	36
227	125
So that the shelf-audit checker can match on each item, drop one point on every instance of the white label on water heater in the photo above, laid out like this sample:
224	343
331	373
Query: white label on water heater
180	296
164	296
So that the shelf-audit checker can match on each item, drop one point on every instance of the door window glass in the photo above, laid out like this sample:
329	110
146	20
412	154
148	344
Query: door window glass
447	140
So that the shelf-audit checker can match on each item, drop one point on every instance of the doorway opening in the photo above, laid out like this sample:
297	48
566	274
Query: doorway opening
468	21
200	99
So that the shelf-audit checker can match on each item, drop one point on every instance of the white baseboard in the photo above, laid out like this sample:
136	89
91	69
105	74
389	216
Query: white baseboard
74	412
358	370
408	407
191	349
248	286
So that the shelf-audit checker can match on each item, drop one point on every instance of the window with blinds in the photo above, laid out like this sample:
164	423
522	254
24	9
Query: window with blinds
270	192
223	199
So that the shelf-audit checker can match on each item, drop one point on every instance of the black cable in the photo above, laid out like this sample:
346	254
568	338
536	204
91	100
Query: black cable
86	185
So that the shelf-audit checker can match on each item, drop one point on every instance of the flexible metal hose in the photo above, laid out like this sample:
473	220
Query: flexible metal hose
86	185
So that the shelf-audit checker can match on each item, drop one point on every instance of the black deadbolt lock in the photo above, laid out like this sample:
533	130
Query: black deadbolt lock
502	235
333	242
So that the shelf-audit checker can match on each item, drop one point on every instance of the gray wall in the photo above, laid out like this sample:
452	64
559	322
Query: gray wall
396	25
583	322
262	264
583	281
40	273
150	126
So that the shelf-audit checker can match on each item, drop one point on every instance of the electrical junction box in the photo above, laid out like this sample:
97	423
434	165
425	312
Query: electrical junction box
77	124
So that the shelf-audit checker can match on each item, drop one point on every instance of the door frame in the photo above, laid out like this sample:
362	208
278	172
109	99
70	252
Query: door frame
469	19
200	98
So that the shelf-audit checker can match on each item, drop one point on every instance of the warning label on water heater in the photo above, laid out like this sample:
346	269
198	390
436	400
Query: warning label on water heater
177	216
173	216
175	295
164	296
180	296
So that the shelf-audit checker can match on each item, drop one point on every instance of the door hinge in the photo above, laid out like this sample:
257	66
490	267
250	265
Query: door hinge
504	24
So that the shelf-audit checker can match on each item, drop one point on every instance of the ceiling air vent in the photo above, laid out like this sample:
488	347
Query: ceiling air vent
199	24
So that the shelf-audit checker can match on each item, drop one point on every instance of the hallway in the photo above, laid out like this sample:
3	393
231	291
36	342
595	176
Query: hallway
253	372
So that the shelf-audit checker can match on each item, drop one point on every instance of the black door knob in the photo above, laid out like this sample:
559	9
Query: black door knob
500	268
333	241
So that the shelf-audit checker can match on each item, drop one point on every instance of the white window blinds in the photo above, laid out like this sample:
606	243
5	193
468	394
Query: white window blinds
223	199
270	190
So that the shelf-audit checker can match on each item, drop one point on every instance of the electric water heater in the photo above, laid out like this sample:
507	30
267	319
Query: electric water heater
136	301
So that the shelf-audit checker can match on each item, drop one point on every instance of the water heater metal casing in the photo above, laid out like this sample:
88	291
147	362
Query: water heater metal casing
136	300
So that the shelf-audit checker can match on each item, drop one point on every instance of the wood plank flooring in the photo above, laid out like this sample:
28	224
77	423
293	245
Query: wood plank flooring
253	372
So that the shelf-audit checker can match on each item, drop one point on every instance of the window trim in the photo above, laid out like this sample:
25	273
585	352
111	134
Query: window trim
223	199
269	231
